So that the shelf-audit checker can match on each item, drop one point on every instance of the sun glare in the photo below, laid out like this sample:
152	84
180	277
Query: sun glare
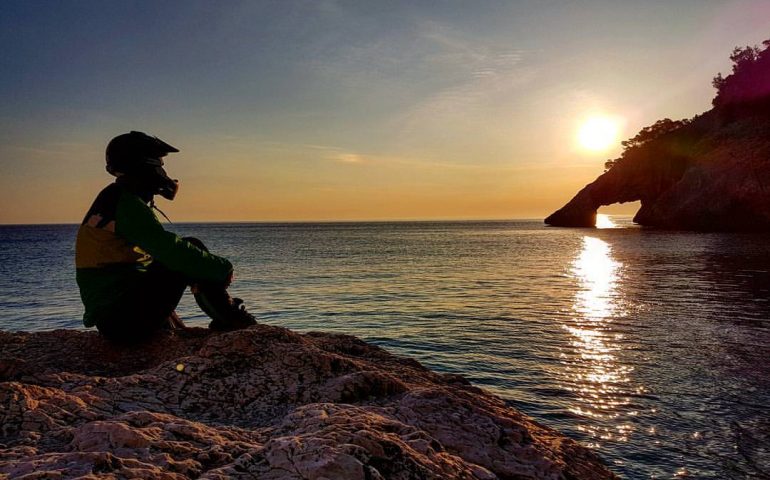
598	133
604	221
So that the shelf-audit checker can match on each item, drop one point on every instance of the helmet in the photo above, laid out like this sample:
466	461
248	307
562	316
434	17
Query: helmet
139	157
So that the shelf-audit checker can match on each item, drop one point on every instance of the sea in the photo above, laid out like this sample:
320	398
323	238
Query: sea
650	347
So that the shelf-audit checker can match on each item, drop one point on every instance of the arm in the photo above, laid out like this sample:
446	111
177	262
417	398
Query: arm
138	225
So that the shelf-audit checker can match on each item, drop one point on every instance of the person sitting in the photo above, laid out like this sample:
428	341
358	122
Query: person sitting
131	272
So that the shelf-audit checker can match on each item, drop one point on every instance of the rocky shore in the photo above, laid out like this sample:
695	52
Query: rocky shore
262	403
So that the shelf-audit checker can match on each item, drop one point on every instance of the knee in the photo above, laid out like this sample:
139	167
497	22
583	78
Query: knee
196	242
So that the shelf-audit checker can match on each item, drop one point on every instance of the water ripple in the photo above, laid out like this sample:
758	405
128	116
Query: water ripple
649	346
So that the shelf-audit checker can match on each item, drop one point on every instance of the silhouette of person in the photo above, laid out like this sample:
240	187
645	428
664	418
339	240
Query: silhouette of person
131	271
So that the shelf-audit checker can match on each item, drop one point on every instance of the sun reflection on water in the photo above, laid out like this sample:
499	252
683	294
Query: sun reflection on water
598	274
604	221
595	375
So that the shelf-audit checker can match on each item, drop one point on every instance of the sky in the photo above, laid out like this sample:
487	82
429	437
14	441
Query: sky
347	110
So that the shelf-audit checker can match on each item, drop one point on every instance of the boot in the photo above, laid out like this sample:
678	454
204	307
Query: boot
226	312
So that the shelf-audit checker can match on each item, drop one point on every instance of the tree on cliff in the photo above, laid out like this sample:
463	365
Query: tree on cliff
650	133
645	136
750	78
746	89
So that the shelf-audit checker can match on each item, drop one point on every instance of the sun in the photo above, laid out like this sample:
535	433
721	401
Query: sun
598	133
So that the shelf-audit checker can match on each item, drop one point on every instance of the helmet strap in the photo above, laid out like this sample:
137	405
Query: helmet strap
154	207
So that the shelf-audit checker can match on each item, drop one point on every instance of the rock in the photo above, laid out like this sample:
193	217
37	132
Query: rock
712	174
258	403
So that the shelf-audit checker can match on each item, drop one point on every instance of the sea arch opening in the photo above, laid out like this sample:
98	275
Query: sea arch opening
616	214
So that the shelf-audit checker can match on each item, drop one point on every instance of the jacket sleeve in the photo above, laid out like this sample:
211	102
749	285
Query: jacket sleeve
135	222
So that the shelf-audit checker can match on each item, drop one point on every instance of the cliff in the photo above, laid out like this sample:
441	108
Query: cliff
708	173
259	403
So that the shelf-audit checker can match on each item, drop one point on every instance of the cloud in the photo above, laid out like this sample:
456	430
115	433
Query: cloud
482	71
349	158
338	154
483	83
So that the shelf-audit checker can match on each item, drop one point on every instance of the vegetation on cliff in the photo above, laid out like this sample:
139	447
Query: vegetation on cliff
749	81
746	88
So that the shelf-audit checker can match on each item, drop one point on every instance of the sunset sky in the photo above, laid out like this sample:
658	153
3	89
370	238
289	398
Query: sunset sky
347	110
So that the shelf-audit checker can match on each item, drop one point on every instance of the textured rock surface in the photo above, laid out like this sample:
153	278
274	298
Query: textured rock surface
260	403
713	174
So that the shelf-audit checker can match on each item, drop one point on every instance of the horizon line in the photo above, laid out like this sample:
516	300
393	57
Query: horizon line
285	222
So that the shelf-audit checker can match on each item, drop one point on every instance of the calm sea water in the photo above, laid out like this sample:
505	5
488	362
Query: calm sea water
651	347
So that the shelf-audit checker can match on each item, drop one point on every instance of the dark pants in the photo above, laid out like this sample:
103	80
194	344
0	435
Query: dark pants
156	296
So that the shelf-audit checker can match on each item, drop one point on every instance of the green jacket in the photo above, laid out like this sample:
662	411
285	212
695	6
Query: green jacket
118	240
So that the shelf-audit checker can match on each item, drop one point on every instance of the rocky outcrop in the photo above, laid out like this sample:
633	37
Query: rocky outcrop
712	174
259	403
708	173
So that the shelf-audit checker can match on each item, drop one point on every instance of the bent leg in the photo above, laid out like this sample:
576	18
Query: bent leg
226	313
